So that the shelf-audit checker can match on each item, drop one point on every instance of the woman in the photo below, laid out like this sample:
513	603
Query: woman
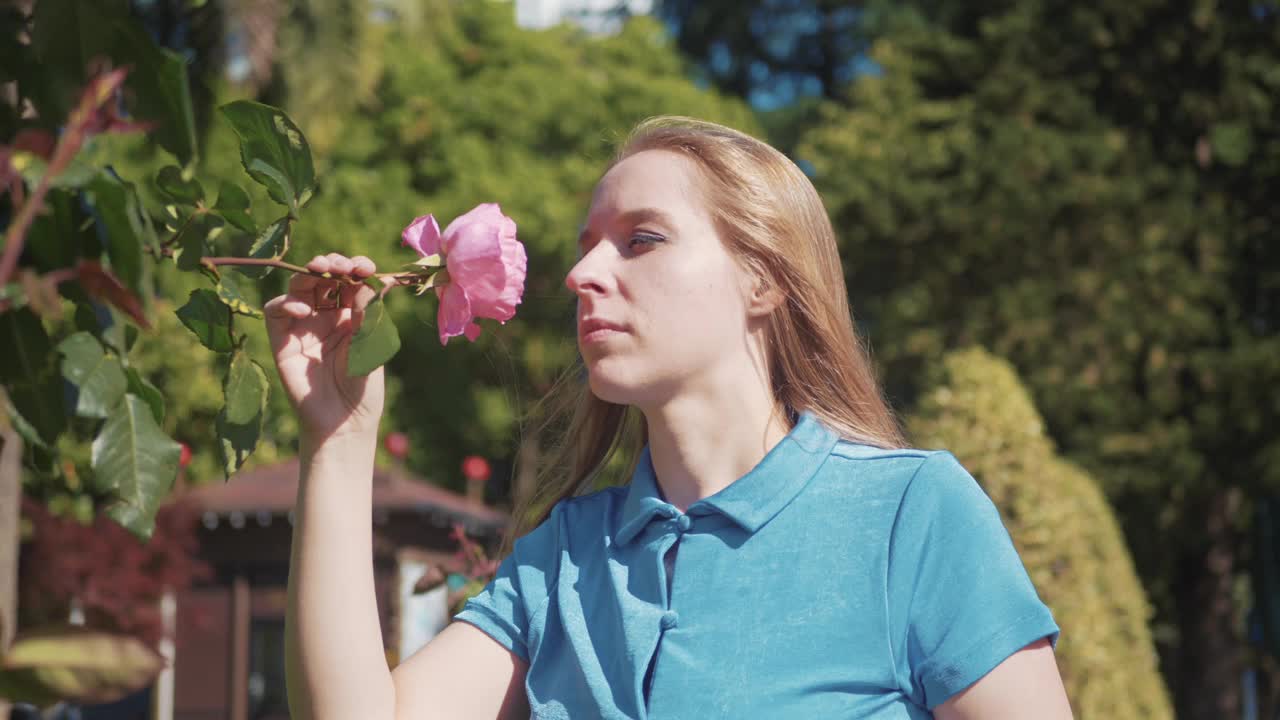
779	550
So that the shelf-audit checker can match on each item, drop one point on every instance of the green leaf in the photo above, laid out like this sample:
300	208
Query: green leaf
232	296
271	244
76	664
208	317
57	238
134	460
194	239
161	87
233	206
66	35
98	377
237	441
149	393
174	184
76	174
122	225
28	369
245	389
376	342
274	152
1232	143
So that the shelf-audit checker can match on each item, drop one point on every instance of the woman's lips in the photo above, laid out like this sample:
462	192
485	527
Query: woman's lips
594	330
599	335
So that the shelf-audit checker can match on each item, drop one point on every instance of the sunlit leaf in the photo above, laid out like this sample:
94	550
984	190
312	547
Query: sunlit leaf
76	664
136	462
245	389
232	296
274	152
97	376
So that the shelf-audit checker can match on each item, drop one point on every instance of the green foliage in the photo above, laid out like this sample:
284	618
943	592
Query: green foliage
90	71
466	107
1065	532
1026	176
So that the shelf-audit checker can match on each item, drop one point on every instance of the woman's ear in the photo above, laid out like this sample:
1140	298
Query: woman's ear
765	297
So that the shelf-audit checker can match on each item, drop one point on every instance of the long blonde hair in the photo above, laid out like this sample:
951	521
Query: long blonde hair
771	218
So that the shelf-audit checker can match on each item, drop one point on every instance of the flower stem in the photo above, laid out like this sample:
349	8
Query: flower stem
393	277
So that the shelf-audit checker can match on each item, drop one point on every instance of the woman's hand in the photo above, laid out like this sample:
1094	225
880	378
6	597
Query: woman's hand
310	344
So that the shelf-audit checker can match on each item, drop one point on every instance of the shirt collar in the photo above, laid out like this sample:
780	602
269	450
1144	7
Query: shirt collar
750	501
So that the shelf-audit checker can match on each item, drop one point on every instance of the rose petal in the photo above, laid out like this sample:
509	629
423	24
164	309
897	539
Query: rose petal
423	235
484	213
472	332
474	259
454	313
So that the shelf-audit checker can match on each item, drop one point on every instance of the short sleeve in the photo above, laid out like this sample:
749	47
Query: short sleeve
959	599
507	606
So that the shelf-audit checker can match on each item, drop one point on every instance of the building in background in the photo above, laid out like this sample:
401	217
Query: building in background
228	650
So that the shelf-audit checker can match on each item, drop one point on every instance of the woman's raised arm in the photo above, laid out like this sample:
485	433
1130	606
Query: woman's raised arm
335	663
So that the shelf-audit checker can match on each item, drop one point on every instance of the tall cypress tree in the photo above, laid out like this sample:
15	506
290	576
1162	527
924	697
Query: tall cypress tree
1090	191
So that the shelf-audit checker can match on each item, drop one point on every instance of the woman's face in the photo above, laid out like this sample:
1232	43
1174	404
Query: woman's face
661	303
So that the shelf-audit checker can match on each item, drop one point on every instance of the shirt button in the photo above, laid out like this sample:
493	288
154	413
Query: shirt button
669	620
683	523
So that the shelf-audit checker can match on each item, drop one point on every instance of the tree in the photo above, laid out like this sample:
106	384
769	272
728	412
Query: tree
75	290
1067	535
1026	177
468	105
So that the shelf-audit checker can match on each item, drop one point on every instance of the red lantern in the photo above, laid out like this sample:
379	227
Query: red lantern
397	443
476	468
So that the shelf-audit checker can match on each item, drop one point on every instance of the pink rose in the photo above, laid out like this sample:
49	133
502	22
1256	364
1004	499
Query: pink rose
486	267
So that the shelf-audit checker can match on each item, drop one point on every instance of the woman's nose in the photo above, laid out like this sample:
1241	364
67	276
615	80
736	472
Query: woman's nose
587	275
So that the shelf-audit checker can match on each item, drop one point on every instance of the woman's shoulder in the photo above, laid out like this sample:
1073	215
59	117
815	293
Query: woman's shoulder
886	464
899	472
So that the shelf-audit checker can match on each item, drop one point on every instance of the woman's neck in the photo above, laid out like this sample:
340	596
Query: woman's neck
699	446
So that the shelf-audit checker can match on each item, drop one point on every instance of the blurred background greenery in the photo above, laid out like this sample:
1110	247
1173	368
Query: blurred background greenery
1088	192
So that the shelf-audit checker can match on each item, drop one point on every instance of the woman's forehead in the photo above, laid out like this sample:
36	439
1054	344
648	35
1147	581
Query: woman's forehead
653	179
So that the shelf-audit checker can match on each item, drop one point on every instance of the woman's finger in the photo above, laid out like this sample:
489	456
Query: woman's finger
302	284
339	264
319	263
363	267
360	297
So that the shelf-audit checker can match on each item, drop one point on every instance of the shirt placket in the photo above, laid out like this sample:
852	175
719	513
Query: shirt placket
667	546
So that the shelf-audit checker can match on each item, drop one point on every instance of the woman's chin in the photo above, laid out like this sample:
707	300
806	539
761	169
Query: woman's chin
609	387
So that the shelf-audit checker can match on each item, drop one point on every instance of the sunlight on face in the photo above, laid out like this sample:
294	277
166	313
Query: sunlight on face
661	302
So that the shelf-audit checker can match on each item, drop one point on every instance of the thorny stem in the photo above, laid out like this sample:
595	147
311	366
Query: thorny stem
390	278
68	146
69	143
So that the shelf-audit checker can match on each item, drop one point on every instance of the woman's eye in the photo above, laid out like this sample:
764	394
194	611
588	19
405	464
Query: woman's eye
644	239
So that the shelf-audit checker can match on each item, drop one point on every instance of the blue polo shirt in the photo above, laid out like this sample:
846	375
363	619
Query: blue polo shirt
834	580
